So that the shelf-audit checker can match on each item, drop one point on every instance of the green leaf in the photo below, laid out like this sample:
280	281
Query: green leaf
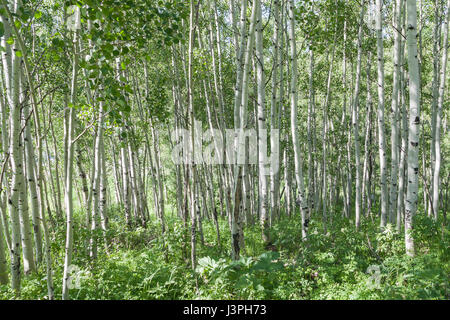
37	15
19	53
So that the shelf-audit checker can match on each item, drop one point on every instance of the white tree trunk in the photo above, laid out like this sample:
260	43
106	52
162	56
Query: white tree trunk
395	115
68	195
381	132
414	125
263	207
275	115
356	122
440	105
301	199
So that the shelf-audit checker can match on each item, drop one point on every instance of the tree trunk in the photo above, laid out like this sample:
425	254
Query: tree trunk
301	199
381	132
414	126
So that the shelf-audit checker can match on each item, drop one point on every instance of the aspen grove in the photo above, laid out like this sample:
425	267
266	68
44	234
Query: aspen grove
224	149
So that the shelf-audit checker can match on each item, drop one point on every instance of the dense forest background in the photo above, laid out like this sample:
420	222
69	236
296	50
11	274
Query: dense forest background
125	171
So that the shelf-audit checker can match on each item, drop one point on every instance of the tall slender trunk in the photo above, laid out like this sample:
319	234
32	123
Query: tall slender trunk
440	107
311	159
414	126
381	130
301	199
435	89
395	115
240	112
367	143
17	184
262	135
356	121
193	201
96	184
404	131
68	198
275	115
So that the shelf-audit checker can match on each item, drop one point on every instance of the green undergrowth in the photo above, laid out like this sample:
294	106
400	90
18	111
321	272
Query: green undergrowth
338	264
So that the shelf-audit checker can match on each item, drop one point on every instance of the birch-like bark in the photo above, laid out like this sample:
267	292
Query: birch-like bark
414	125
103	190
58	203
31	178
193	202
125	180
347	186
355	117
137	212
311	180
367	143
440	106
263	206
325	137
96	184
25	230
381	130
17	183
68	197
395	115
159	179
4	160
3	262
301	199
40	179
404	131
274	115
241	123
435	88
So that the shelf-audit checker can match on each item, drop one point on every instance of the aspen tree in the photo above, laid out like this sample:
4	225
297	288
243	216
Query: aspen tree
263	207
4	160
311	180
404	130
347	185
301	199
104	221
193	202
275	113
3	262
395	115
440	106
414	122
435	90
31	178
159	178
25	230
96	183
381	130
68	198
355	117
16	150
367	141
325	135
241	124
39	148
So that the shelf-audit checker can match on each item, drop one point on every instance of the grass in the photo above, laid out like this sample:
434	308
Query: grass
342	264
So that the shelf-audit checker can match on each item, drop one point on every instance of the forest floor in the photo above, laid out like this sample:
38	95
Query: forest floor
341	264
